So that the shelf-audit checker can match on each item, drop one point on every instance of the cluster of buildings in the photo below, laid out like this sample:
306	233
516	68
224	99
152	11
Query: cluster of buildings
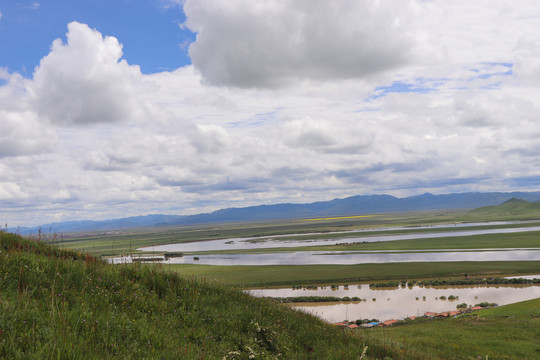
353	325
432	315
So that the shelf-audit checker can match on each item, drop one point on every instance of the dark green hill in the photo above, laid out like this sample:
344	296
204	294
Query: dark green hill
512	207
62	304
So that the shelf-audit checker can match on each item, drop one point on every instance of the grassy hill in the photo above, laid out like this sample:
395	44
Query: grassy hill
57	303
62	304
509	209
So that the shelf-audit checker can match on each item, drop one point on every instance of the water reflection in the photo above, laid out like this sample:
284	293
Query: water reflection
283	241
524	277
400	303
349	258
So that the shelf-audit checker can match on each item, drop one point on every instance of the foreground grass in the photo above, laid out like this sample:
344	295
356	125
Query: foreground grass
286	275
506	332
63	304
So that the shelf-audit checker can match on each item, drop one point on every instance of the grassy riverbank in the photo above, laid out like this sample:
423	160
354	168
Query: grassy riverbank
287	275
505	332
526	239
63	304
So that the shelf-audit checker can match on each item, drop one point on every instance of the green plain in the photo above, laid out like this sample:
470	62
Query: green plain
287	275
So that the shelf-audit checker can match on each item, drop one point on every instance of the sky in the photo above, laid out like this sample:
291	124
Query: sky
120	108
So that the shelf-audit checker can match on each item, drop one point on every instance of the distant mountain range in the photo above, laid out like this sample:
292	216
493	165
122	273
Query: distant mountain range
355	205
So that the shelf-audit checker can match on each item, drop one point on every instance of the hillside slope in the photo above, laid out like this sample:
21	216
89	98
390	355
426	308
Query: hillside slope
62	304
512	207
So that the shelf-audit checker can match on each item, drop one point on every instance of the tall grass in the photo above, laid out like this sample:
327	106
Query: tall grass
505	332
57	303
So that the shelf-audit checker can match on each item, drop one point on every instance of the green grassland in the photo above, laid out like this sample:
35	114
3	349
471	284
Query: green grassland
61	302
506	332
527	239
251	276
127	242
287	275
57	303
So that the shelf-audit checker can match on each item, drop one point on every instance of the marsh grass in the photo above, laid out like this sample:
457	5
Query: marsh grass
57	303
286	275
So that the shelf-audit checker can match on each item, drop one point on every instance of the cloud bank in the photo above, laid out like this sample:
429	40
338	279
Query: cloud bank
286	101
274	43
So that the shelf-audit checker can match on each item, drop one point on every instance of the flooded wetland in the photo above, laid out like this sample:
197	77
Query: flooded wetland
517	241
401	302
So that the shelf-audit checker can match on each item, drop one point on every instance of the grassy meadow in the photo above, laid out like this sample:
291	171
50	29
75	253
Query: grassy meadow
57	303
505	332
287	275
60	299
63	304
526	239
127	241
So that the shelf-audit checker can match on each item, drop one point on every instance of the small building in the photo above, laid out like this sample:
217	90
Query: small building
352	326
389	322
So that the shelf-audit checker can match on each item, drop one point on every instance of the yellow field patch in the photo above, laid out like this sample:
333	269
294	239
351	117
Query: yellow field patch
339	217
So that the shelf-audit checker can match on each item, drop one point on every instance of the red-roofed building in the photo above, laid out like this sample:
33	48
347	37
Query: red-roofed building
389	322
352	326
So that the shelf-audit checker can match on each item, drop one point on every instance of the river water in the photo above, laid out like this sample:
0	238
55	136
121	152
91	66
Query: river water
283	241
350	257
402	302
378	304
342	257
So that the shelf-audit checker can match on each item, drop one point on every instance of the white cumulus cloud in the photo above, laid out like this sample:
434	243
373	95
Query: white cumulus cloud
84	81
273	43
316	100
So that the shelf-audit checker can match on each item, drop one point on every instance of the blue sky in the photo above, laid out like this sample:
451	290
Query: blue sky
123	108
150	30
